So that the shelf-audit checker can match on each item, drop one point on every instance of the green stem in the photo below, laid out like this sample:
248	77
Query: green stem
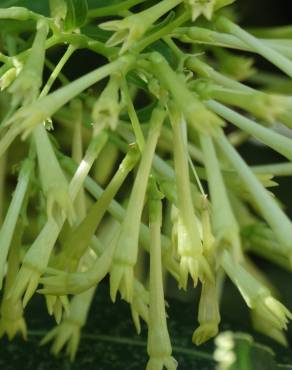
278	142
278	169
134	118
223	218
70	50
270	210
209	37
258	46
206	71
114	9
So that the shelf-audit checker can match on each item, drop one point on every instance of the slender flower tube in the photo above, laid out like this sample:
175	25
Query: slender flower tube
257	46
225	226
276	218
256	295
10	221
209	315
26	86
158	344
36	259
67	333
194	111
268	107
278	142
190	248
122	271
132	28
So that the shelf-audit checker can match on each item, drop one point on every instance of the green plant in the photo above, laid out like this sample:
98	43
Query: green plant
193	203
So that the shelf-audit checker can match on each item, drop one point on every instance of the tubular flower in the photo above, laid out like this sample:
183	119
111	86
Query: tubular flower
206	7
256	295
12	320
125	257
158	345
190	249
67	333
107	108
133	27
26	86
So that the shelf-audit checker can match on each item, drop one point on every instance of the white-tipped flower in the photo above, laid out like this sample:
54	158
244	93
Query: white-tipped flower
67	333
122	271
206	7
201	7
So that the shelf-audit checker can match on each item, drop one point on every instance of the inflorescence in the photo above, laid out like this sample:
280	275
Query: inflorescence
101	182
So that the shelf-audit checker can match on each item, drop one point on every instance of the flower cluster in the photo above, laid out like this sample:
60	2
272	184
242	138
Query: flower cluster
109	181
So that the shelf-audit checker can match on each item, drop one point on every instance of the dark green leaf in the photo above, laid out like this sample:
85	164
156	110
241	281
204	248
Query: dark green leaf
41	6
76	14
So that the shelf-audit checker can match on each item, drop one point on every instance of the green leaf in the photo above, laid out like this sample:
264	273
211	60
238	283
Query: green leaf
76	14
41	7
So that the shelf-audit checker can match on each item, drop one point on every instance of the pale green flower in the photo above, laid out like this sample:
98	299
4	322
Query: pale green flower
107	108
125	257
11	319
206	7
67	333
130	29
25	88
158	344
209	316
